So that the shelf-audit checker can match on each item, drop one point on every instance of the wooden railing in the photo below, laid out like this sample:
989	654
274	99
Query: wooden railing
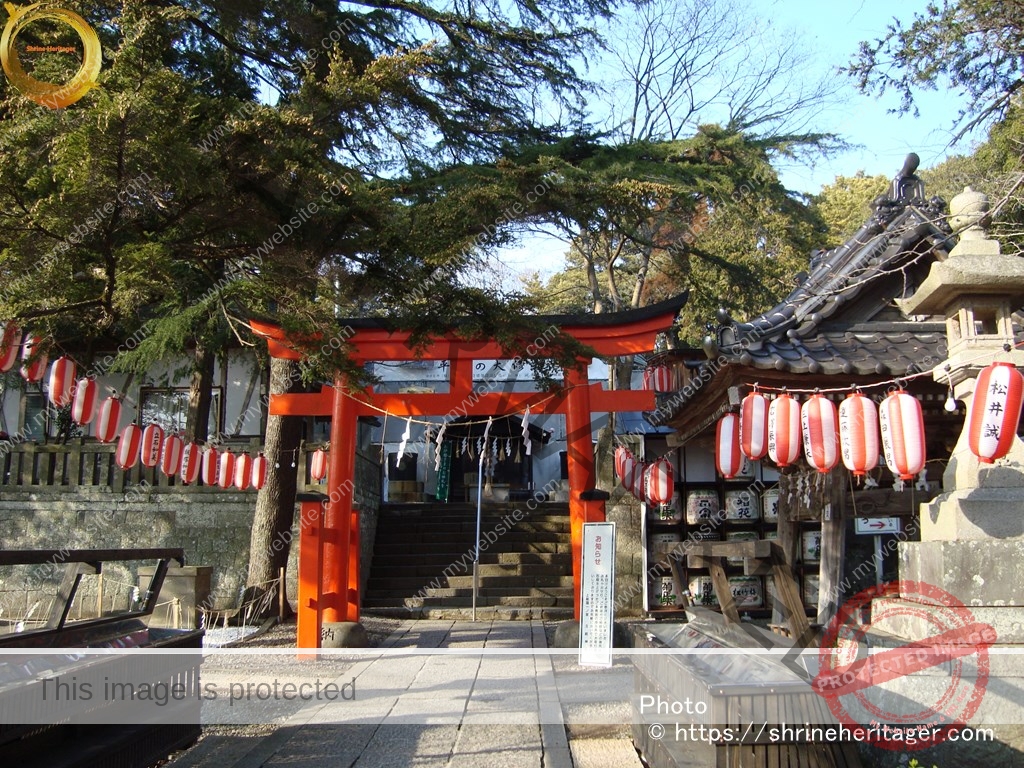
87	463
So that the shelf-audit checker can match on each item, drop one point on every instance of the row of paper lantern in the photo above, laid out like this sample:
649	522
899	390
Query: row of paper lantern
652	483
190	461
781	428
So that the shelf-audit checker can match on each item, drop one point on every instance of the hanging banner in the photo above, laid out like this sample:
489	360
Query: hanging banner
444	472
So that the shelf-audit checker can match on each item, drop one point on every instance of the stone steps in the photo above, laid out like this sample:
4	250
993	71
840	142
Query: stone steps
526	568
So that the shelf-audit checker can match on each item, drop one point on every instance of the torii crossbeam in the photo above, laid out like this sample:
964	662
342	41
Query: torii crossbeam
328	555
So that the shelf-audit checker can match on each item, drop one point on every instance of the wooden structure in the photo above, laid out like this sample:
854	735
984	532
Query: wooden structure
326	592
840	328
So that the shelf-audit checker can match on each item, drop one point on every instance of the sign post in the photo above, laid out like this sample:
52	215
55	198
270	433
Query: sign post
876	526
597	594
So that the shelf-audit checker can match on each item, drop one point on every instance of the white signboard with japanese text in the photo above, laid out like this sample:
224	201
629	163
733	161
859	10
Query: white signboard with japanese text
597	594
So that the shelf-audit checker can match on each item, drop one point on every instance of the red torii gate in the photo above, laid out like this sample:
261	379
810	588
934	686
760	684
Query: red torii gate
328	553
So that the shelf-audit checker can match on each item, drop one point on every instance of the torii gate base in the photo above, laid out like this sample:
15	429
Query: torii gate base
329	526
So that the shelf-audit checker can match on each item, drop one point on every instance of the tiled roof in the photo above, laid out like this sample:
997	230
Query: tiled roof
841	319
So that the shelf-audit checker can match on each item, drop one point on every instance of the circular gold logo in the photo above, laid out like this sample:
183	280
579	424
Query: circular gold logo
53	95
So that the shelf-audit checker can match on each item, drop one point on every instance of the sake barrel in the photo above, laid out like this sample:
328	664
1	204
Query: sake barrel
701	505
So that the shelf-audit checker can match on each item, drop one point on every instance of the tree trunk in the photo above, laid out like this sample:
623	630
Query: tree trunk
200	395
271	536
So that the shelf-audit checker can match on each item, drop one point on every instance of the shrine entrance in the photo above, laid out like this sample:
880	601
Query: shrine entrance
328	549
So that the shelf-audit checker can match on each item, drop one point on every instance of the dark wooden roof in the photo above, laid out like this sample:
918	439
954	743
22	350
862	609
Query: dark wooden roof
841	320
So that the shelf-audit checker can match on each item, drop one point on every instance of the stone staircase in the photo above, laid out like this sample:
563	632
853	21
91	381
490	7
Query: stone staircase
423	562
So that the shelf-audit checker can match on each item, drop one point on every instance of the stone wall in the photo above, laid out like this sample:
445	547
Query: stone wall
211	525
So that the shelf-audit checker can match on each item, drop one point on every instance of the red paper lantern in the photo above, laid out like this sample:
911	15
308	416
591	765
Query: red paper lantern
127	453
152	442
658	378
784	430
108	419
318	465
620	457
858	433
226	469
660	482
10	347
728	458
170	461
820	426
243	471
995	411
754	426
191	462
259	471
902	434
62	381
33	361
210	465
83	404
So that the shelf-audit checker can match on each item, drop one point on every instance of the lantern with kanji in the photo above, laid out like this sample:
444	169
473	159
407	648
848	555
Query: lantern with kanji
902	425
318	464
62	381
152	443
728	458
660	482
170	461
995	411
858	433
820	427
83	404
191	462
10	346
127	453
108	419
784	430
259	471
754	426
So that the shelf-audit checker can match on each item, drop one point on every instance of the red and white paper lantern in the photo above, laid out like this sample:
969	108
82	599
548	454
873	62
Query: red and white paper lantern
728	458
754	426
62	381
210	466
784	430
630	471
639	486
820	427
127	453
83	404
660	482
226	469
191	462
658	378
902	424
10	347
108	420
152	443
243	471
995	411
33	361
858	433
620	457
318	464
170	460
259	471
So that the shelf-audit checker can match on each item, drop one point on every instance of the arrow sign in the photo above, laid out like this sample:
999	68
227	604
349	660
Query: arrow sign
876	525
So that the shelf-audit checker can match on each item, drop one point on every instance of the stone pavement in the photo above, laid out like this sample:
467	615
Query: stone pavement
528	710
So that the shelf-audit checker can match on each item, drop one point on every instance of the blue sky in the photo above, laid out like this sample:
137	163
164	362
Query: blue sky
830	32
